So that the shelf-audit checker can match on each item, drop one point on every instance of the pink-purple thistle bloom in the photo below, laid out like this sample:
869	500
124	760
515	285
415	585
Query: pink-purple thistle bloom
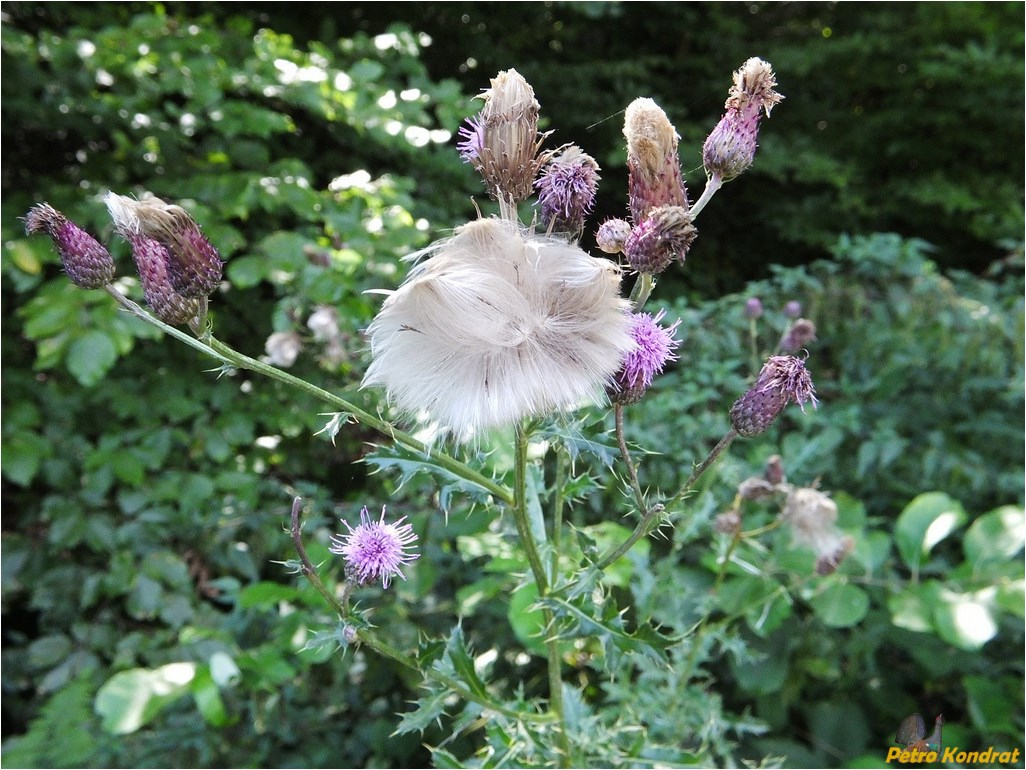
86	261
194	266
654	347
665	234
151	260
730	148
566	190
375	550
783	379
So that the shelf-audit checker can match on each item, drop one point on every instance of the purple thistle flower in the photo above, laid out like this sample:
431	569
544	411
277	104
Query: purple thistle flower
664	235
783	379
375	549
801	333
612	235
566	190
793	309
654	347
753	308
730	148
151	260
471	139
86	261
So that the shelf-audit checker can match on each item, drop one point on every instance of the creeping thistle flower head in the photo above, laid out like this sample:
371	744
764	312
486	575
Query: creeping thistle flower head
152	260
502	141
798	335
195	266
730	148
812	517
499	324
783	379
611	237
652	161
375	550
566	191
654	347
665	234
86	261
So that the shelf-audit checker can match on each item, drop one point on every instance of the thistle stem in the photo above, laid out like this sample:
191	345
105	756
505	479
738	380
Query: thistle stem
519	511
642	289
558	503
227	355
712	184
632	473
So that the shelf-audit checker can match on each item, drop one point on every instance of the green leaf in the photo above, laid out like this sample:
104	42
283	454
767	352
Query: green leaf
840	605
965	620
247	271
995	536
266	594
132	698
927	520
208	698
90	357
22	455
911	607
526	618
461	662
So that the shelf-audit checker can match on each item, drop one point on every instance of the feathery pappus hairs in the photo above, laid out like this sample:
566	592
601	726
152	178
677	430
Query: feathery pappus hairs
499	324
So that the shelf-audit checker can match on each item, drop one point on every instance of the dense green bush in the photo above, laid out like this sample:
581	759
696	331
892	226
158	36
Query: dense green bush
146	492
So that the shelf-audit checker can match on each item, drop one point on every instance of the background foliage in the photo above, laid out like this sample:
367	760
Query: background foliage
144	497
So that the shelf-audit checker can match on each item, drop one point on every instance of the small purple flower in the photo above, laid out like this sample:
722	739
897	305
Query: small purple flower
665	234
801	333
793	309
753	308
566	190
655	346
471	139
375	549
783	379
86	261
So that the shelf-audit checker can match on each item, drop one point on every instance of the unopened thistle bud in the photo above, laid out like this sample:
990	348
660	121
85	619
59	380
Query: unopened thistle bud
783	379
612	235
801	333
566	190
753	308
502	142
793	309
151	260
730	148
755	488
774	472
195	266
665	234
654	346
728	522
86	261
652	162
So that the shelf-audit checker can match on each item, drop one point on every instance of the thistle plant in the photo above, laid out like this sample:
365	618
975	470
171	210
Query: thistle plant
503	332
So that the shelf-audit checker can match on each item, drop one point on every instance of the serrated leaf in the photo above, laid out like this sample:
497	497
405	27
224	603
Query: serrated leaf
429	710
90	357
462	664
409	464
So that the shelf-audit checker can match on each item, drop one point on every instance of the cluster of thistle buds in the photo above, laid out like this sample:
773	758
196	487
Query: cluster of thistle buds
178	267
661	225
809	513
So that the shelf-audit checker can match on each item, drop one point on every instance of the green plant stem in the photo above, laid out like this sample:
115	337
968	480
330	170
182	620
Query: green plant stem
703	467
753	337
527	540
519	510
642	289
558	503
649	516
712	184
366	636
632	472
213	347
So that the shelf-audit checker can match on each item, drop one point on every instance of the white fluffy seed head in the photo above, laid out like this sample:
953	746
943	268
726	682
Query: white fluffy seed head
497	325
